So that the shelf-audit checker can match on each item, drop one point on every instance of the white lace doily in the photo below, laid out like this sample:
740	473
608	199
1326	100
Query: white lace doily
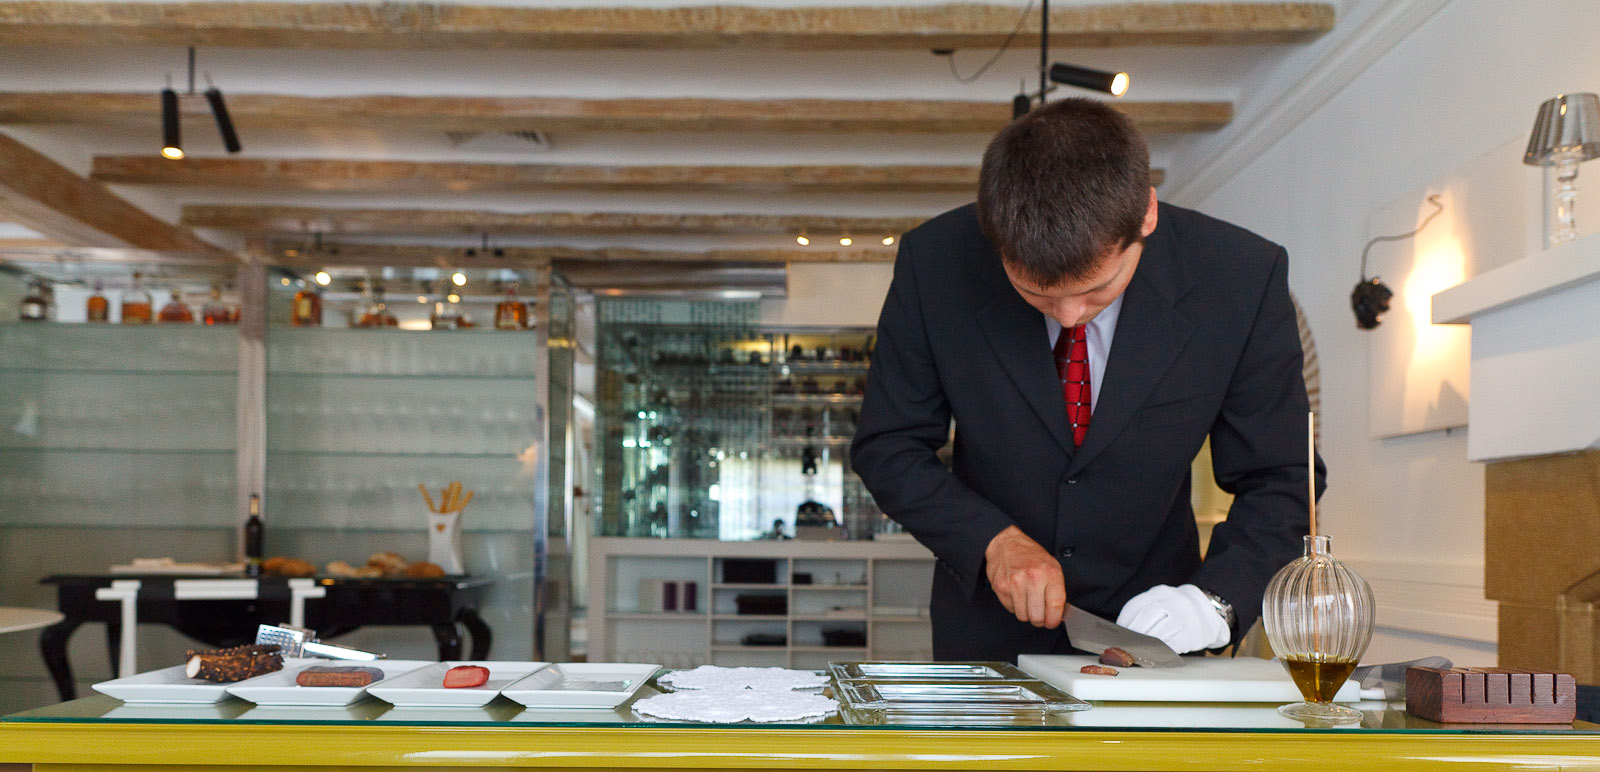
729	707
735	678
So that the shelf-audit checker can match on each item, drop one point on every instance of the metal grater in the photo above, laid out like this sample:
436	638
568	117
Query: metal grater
300	642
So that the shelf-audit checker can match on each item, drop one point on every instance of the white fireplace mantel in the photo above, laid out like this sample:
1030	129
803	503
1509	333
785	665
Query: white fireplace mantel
1535	378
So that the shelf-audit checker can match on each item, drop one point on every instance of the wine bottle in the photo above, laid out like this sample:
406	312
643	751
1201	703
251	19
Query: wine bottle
254	536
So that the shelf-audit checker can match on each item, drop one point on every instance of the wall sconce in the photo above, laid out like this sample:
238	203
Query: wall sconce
1370	299
1565	134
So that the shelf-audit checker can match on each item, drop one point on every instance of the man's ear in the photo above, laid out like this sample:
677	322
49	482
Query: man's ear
1150	216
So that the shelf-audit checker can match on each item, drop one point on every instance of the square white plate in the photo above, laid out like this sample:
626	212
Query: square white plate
424	687
581	685
171	686
277	689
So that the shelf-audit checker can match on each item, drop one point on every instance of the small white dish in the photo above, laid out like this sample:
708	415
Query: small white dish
581	685
171	686
279	689
424	687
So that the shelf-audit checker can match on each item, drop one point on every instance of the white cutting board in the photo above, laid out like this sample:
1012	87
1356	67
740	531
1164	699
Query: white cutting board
1201	679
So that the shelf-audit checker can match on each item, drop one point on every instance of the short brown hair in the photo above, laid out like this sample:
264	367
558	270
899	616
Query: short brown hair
1061	187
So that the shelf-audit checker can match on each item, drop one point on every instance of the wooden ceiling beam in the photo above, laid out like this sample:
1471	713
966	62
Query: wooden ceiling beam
264	219
554	114
49	198
290	254
363	25
451	177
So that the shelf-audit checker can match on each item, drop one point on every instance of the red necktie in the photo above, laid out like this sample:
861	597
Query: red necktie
1072	364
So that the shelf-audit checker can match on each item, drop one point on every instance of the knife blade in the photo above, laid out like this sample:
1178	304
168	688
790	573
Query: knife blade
1094	635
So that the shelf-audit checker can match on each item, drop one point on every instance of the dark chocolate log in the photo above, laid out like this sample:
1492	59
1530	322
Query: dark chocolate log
233	664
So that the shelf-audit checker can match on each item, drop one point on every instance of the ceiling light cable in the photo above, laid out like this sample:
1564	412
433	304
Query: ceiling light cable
951	56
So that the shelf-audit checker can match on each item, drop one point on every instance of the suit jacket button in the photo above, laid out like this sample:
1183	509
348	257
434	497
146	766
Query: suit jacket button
1066	551
1072	481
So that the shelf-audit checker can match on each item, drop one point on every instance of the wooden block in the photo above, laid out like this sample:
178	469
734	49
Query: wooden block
1470	695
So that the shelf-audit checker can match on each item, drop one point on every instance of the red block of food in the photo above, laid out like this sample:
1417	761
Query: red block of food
465	676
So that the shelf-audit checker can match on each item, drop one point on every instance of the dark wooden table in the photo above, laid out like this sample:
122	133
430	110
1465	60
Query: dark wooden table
445	605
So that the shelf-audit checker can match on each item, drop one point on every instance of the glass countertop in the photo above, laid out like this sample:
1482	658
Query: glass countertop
1377	718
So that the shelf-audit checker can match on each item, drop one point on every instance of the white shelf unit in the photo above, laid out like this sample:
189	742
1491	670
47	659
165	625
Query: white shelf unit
878	590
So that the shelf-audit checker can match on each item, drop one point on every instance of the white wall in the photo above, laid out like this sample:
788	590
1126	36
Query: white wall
1408	511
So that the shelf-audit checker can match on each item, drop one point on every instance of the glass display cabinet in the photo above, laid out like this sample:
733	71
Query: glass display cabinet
712	426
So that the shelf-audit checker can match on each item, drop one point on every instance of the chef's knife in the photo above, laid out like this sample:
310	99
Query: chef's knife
1093	634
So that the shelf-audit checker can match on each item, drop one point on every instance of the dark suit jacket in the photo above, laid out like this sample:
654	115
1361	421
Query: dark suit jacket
1206	344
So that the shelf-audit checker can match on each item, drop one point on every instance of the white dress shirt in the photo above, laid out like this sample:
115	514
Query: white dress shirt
1098	332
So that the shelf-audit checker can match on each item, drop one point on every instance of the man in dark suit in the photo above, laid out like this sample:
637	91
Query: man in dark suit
1085	340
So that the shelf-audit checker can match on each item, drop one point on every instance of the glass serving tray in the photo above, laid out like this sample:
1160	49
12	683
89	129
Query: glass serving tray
957	699
927	671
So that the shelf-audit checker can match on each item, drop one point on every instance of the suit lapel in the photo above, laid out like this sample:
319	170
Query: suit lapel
1016	333
1150	333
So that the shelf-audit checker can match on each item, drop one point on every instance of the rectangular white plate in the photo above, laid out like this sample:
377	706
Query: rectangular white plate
1201	679
171	686
581	685
424	687
277	689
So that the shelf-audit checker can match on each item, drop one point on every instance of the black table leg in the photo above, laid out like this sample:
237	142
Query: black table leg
114	647
53	646
449	640
481	635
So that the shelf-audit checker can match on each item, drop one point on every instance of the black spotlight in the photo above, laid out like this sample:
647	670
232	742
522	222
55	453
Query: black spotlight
1370	300
219	110
1113	83
171	142
1020	105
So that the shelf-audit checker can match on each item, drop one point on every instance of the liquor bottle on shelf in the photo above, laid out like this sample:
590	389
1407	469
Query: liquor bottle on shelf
37	303
136	303
307	308
511	313
445	316
254	536
377	313
97	308
176	311
216	311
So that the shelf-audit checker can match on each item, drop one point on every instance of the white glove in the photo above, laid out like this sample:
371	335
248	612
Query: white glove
1182	617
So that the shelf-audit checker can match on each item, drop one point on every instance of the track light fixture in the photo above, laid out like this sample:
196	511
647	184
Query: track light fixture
1113	83
171	141
171	145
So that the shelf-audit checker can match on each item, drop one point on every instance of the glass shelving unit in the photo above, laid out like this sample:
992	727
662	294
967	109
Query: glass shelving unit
357	418
712	426
116	441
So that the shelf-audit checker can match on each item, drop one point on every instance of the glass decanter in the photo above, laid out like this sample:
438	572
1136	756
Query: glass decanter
1319	616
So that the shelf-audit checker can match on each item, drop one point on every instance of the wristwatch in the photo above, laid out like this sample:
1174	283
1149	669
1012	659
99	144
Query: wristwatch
1223	607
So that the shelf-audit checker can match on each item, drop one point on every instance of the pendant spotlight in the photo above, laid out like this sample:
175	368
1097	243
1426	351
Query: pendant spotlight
171	145
1113	83
171	141
1062	73
219	111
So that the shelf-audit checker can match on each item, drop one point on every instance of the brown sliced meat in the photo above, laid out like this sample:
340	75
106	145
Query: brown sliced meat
1116	657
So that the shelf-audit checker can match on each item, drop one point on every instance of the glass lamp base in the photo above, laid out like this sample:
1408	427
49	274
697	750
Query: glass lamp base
1320	713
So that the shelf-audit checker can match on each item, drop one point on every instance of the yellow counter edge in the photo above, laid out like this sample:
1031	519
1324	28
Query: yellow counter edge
102	746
